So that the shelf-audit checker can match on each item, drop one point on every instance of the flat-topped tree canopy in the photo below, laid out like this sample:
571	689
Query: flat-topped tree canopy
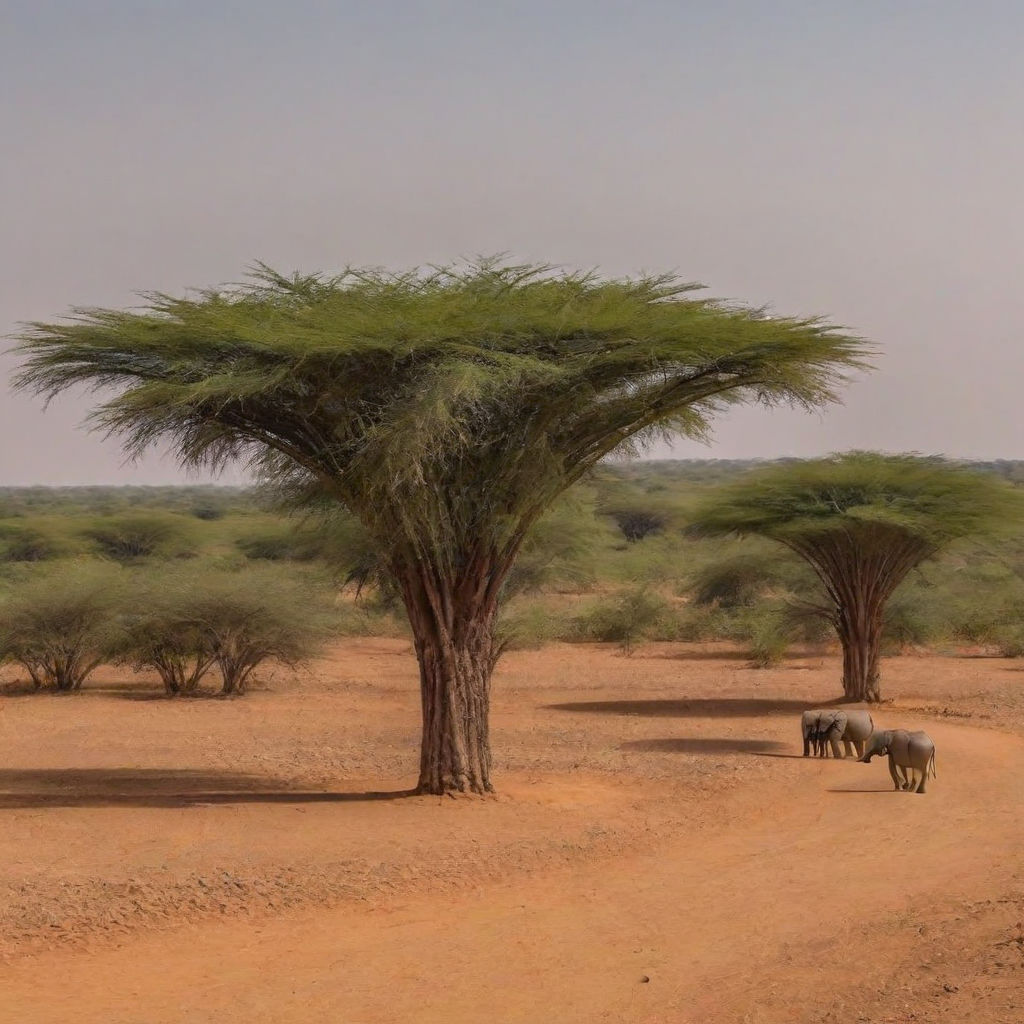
446	408
862	520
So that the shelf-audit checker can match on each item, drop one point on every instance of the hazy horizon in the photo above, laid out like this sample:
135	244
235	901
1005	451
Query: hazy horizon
861	163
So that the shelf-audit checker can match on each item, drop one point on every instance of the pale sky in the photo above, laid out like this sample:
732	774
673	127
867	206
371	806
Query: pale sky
860	160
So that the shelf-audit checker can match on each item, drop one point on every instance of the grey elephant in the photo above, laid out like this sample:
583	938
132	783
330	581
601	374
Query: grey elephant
911	757
823	729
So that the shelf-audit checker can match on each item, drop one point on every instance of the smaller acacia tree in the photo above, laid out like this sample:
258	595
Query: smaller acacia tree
60	626
862	521
166	636
254	617
234	621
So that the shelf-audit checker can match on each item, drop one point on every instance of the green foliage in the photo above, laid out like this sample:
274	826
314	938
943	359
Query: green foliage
256	616
280	542
699	623
446	409
559	548
928	502
185	624
911	620
26	544
164	634
625	620
61	624
208	511
768	641
127	538
637	523
528	625
737	581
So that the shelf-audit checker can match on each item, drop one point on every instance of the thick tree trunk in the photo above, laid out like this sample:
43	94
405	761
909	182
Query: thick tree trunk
453	630
860	633
455	686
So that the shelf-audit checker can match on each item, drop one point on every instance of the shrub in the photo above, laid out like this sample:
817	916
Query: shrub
530	625
559	548
26	544
60	626
235	621
908	621
766	631
637	523
697	623
268	545
251	617
1010	642
735	582
625	620
139	535
166	636
208	511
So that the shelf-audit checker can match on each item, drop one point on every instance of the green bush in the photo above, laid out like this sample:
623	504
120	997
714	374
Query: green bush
61	625
275	543
909	621
1009	642
529	625
735	582
163	633
26	544
208	511
638	523
259	615
697	623
139	535
625	620
766	632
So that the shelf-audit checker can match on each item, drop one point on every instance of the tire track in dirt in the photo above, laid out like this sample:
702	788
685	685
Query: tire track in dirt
726	923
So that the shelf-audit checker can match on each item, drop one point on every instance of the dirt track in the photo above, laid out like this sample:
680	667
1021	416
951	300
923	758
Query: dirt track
653	823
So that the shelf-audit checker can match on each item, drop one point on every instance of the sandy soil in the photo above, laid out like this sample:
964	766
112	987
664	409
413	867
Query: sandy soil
658	852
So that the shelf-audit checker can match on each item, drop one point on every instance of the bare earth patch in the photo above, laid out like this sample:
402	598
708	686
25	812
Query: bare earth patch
261	860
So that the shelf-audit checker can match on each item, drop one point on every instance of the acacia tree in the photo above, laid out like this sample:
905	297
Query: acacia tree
445	409
862	521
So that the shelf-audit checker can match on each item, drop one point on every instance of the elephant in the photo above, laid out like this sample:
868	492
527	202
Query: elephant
911	757
823	729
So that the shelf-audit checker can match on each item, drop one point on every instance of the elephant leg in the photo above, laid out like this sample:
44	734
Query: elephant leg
807	744
896	780
848	748
834	744
924	779
860	746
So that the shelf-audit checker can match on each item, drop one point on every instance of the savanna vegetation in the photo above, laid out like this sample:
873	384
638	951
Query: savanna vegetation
446	411
578	578
434	448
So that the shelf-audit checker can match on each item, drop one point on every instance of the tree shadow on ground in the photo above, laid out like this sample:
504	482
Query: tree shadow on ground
141	691
157	787
887	789
701	745
728	655
699	707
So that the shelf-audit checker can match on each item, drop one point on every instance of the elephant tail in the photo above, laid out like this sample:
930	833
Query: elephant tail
931	764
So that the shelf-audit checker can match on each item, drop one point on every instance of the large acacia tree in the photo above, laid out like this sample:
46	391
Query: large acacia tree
445	409
862	521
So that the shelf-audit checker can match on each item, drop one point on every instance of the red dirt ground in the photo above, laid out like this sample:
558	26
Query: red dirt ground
658	851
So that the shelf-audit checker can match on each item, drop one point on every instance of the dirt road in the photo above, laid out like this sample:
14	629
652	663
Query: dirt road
805	891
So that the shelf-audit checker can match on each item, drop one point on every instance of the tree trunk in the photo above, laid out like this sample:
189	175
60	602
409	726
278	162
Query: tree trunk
453	630
860	633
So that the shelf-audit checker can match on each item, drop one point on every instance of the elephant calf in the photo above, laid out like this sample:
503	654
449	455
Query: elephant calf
908	751
823	730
